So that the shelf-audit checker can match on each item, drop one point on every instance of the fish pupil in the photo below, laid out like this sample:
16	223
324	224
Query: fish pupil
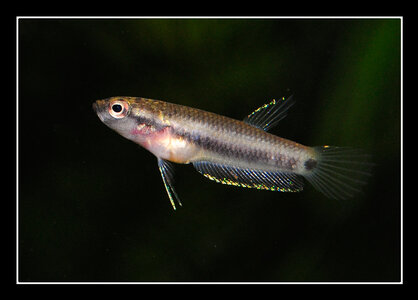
117	108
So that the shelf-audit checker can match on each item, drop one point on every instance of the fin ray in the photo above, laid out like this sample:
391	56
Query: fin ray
249	178
268	115
167	174
341	171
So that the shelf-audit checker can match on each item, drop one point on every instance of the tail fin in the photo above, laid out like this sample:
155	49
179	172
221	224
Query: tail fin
340	172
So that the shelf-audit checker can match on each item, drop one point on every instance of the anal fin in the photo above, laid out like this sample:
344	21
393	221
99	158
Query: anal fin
249	178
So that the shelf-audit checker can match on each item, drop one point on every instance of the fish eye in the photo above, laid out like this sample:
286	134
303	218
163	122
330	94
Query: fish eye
118	109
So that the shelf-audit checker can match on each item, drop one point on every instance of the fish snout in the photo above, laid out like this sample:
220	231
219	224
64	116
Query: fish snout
98	108
95	107
99	105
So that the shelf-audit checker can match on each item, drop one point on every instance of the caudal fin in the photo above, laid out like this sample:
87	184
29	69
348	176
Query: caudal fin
340	172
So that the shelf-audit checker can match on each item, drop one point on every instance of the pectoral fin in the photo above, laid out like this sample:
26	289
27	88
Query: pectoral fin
167	173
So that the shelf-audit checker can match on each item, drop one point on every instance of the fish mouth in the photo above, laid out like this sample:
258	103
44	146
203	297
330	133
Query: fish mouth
98	110
95	107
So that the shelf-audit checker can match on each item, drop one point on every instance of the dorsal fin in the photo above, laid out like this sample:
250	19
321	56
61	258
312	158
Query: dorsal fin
268	115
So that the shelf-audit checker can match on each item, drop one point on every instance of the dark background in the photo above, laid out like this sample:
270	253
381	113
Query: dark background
92	205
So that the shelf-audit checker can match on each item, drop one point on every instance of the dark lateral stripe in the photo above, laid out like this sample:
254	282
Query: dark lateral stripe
234	151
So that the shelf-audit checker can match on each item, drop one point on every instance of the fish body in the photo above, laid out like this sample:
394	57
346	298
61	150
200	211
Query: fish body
230	151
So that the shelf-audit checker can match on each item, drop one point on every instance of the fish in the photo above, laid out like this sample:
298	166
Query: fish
234	152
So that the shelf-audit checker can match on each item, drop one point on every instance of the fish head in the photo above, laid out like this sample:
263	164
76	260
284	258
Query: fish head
116	113
137	119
